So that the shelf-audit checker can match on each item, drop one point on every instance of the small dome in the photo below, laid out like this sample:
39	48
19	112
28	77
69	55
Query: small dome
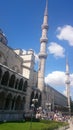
3	38
1	31
30	51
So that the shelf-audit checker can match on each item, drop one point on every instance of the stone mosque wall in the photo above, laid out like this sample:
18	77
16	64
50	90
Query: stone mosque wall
9	58
13	89
18	84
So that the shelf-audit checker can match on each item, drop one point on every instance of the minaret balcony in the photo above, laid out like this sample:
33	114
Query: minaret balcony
67	73
44	26
42	39
67	82
42	55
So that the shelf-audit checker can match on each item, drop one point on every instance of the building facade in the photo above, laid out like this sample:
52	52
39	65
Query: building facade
20	83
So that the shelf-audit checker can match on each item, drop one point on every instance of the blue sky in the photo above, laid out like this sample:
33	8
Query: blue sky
21	22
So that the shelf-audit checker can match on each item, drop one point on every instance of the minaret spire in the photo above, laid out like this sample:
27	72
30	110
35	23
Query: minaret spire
46	9
67	82
43	47
67	65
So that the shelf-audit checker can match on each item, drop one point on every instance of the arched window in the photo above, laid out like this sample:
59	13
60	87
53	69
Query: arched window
23	103
20	84
12	81
2	99
18	103
8	102
25	86
5	78
16	84
13	102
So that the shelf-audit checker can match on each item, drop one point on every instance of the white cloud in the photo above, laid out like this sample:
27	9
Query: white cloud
64	92
56	79
66	33
56	49
36	57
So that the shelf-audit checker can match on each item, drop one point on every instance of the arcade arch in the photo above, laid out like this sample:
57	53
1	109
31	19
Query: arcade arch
5	78
12	81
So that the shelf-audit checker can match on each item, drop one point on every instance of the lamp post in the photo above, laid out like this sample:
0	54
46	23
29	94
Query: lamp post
32	107
34	101
40	108
48	105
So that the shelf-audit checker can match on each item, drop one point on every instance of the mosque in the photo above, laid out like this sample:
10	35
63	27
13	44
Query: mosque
20	84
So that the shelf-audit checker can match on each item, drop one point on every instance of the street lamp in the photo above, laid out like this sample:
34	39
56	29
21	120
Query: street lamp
34	101
32	107
48	106
40	108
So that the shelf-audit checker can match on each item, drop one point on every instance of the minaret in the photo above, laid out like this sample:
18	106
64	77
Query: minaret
67	82
43	52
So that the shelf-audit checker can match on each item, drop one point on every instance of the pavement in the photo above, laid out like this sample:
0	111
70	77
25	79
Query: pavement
71	125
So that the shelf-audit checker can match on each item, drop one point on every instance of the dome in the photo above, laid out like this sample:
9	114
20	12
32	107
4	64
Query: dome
3	38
